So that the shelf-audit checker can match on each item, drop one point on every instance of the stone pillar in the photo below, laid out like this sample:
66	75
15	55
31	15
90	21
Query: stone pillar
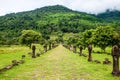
45	48
115	55
81	48
33	51
71	48
52	46
49	46
90	52
74	49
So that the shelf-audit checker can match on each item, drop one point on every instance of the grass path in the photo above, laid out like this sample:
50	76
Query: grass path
59	64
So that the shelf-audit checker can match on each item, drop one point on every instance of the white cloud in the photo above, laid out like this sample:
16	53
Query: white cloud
90	6
95	6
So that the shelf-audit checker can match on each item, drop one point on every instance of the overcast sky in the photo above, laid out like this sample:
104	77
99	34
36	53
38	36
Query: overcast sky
89	6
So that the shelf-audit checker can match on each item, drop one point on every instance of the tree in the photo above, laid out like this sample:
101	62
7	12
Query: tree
73	41
29	36
60	37
116	25
87	37
105	36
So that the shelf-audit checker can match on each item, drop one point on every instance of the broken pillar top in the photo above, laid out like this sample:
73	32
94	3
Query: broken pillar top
81	47
115	50
90	48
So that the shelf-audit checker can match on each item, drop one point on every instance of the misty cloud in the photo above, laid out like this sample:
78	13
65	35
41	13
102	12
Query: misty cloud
95	6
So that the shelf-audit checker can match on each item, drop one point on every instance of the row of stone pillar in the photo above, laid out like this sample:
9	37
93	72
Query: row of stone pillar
115	56
74	48
50	46
81	48
45	49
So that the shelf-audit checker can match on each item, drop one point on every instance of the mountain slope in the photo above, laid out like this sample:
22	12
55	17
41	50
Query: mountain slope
110	16
47	20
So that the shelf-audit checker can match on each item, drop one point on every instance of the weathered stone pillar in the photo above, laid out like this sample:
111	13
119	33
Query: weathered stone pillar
52	46
74	49
115	55
90	52
45	48
71	48
49	46
81	48
33	51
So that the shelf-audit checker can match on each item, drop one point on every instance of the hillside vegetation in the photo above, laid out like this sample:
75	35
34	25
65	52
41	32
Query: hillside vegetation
51	20
46	20
110	15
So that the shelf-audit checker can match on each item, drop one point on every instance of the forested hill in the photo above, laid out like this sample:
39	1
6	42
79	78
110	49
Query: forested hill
47	20
110	15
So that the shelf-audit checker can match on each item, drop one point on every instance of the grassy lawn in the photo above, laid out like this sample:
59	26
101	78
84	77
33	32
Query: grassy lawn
7	54
57	64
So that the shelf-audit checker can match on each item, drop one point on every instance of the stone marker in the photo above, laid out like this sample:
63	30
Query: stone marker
81	48
45	48
74	49
107	61
23	56
38	54
50	46
90	52
97	61
115	55
33	51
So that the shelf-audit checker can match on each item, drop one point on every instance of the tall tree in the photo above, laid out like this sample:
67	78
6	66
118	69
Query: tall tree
29	36
105	36
87	37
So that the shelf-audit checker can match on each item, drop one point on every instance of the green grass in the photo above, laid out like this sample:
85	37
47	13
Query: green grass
59	64
11	49
14	52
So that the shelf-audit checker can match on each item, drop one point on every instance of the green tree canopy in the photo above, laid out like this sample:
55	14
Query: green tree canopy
87	37
29	36
105	36
72	41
